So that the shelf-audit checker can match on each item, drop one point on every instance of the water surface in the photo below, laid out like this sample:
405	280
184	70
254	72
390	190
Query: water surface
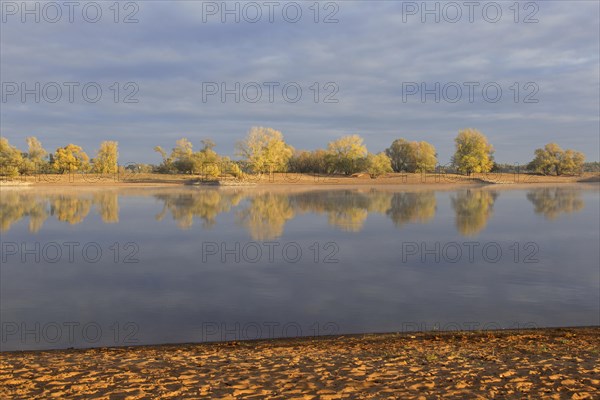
107	266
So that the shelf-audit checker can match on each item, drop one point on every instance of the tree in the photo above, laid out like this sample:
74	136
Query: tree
265	150
69	159
231	167
378	164
412	156
400	155
139	168
36	156
347	154
425	157
106	161
553	159
166	166
182	156
183	159
206	161
592	166
473	152
11	159
310	162
571	162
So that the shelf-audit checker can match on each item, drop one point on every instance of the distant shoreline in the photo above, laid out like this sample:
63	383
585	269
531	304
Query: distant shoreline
303	180
545	362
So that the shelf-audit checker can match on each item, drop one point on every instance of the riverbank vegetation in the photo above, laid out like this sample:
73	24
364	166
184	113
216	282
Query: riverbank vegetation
264	150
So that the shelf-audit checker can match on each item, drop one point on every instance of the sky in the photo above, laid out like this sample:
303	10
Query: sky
146	73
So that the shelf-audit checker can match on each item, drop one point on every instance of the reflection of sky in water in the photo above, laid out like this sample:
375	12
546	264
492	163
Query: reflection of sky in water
171	292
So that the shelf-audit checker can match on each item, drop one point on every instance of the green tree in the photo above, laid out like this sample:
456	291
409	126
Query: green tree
553	159
592	166
11	159
473	152
70	158
412	156
310	162
265	150
106	160
378	164
347	154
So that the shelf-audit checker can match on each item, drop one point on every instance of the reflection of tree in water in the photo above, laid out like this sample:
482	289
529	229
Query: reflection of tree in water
551	202
379	202
345	209
15	206
350	219
266	215
205	204
107	205
473	208
412	207
71	209
66	208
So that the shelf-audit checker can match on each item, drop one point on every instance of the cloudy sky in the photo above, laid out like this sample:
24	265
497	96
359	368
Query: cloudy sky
374	59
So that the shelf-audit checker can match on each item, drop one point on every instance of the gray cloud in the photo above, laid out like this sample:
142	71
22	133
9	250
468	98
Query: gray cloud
368	54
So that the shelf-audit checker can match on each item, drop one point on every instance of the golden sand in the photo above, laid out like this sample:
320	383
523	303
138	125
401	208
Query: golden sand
545	363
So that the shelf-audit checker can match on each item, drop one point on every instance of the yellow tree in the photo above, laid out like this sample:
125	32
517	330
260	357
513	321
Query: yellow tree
265	150
167	162
473	152
36	155
378	164
552	158
182	155
571	162
207	162
11	159
69	159
347	154
106	160
426	157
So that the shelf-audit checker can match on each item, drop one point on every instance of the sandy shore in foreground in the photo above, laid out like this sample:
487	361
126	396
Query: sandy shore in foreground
544	363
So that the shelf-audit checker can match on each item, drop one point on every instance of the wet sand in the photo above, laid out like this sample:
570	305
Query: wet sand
542	363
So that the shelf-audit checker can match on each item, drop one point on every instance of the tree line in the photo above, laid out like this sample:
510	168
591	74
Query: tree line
264	150
70	158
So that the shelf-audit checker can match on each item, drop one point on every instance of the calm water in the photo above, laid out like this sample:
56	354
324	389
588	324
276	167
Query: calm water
97	267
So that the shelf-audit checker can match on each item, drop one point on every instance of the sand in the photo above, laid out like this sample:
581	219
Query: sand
541	363
304	180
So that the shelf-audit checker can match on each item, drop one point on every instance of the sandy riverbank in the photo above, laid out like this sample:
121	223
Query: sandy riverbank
153	180
544	363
